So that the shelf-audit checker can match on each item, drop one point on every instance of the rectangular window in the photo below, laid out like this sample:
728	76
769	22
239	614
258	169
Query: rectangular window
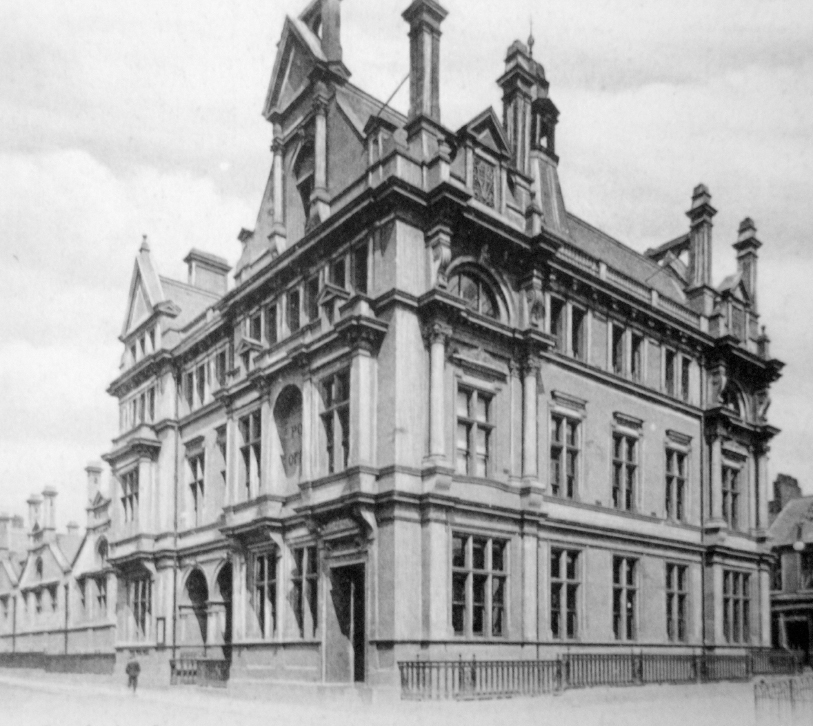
618	350
189	389
578	340
38	602
474	431
152	339
220	367
337	276
669	372
4	608
479	572
140	600
336	420
271	324
685	367
304	585
676	602
222	451
200	380
731	497
250	428
564	456
53	592
736	607
625	471
806	571
557	323
293	310
360	269
312	298
776	575
636	358
255	326
151	404
675	484
101	596
82	587
129	495
564	593
265	593
625	592
196	489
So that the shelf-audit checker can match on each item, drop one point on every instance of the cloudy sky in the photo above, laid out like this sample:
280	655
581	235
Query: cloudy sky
119	119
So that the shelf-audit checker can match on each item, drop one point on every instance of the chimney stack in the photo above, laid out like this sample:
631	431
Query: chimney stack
49	508
207	272
424	18
746	246
72	527
94	480
331	31
5	532
34	512
700	216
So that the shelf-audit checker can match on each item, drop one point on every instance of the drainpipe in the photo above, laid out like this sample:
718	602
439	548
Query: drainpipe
14	623
178	382
703	384
67	610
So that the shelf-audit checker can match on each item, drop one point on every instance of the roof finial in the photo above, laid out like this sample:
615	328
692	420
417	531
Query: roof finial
531	40
145	246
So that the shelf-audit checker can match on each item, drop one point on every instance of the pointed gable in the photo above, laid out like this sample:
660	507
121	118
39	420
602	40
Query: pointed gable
145	291
487	129
298	54
7	577
53	568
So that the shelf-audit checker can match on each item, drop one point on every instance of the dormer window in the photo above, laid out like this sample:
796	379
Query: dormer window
38	568
475	293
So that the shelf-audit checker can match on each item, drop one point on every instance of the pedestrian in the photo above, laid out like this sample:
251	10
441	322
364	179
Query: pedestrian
133	669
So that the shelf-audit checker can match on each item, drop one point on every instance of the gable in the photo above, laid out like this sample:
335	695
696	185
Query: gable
51	568
6	583
145	291
139	310
299	52
487	129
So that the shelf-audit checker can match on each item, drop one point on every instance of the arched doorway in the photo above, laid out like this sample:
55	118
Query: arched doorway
197	594
224	587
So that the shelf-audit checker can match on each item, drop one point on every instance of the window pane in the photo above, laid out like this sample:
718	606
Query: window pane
458	551
463	402
478	553
498	556
555	557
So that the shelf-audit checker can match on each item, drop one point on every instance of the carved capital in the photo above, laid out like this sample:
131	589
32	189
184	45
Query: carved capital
437	331
320	105
277	146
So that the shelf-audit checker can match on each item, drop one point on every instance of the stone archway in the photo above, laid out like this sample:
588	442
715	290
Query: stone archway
196	596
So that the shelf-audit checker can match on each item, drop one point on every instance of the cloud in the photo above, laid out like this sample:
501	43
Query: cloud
73	227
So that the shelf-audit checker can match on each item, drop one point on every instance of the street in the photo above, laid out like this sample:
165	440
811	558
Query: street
36	699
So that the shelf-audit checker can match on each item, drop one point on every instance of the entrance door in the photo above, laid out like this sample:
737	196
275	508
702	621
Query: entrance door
798	636
345	636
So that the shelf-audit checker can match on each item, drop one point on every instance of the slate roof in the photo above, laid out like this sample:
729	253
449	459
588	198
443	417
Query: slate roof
617	255
191	300
784	530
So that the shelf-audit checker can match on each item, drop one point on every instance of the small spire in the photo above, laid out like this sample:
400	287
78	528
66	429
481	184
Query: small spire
145	246
531	40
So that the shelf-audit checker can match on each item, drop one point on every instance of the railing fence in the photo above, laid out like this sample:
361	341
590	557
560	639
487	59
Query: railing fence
785	702
464	679
199	672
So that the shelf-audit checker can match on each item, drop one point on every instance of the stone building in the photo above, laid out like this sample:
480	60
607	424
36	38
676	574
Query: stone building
55	587
437	414
791	537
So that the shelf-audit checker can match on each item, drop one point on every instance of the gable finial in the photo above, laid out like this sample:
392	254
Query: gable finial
145	245
531	40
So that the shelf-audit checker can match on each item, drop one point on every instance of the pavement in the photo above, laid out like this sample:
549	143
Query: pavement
34	698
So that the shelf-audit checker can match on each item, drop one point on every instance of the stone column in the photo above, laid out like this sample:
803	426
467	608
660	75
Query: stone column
319	205
266	426
438	335
310	436
761	486
530	581
530	372
764	606
278	231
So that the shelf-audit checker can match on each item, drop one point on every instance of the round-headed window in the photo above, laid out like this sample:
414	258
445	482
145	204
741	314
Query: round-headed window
475	293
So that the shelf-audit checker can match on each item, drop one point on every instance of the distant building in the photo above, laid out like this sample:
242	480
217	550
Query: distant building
57	591
437	414
791	536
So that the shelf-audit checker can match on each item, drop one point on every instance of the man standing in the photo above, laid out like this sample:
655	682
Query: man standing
133	669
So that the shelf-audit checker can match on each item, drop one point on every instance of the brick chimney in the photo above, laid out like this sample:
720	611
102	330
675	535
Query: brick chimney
207	272
746	246
700	216
34	512
49	508
331	31
424	18
5	532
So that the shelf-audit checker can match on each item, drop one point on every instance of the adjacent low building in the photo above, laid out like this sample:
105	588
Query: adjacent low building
791	536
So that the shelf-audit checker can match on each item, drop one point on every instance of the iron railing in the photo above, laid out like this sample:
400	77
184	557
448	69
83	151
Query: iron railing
199	672
785	701
474	678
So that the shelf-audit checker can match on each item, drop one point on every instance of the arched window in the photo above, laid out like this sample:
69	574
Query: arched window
101	551
477	294
303	174
38	567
